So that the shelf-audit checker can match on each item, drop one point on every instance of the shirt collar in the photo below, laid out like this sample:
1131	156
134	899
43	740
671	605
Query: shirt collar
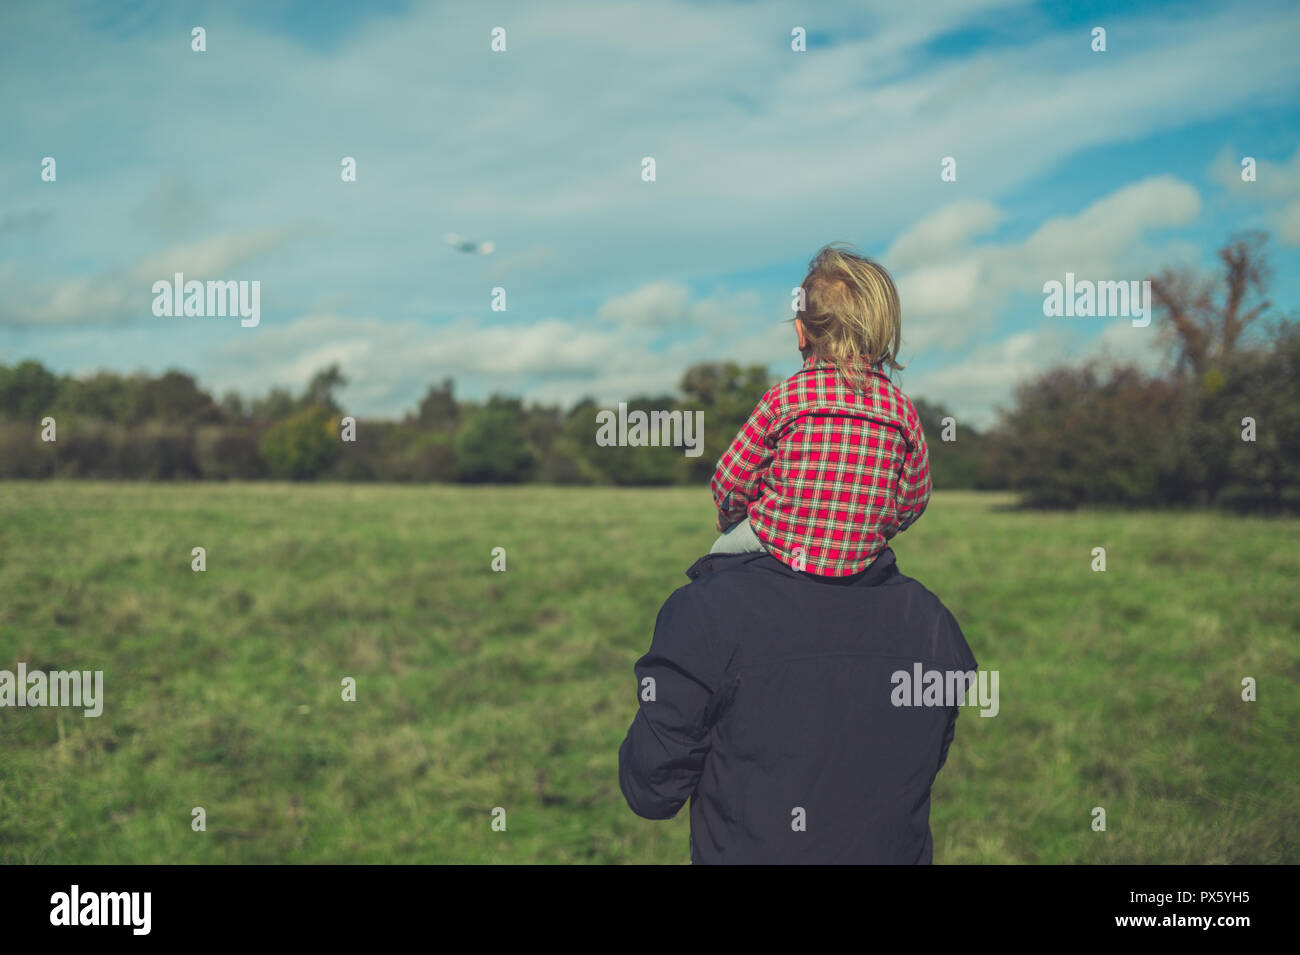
813	362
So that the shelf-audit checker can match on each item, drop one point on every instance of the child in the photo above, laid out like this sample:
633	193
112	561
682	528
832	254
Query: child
832	463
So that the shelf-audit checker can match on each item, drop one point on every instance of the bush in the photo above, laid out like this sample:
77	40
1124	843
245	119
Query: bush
960	464
564	464
158	451
429	457
1262	384
491	447
27	391
1092	435
303	445
87	448
228	453
22	452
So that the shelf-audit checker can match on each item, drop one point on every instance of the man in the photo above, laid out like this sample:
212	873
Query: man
769	698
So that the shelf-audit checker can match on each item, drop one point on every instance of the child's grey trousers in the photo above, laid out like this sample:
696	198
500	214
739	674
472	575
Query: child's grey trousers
739	538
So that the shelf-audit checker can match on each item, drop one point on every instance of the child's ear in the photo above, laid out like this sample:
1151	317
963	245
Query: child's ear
802	335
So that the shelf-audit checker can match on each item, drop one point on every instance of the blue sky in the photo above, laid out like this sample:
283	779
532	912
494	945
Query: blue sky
225	165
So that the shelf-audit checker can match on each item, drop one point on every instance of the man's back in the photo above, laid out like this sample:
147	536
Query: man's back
767	695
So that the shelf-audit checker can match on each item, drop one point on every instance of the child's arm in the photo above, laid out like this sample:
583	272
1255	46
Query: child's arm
914	484
739	474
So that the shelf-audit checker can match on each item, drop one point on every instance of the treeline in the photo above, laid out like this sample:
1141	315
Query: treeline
167	428
1221	426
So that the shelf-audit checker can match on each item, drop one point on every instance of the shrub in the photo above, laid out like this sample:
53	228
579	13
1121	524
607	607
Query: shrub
491	447
303	445
228	453
1092	435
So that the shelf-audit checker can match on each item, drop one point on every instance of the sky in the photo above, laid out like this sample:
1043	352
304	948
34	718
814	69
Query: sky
226	165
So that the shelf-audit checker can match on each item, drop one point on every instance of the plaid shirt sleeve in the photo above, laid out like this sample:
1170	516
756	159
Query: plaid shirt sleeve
739	475
914	484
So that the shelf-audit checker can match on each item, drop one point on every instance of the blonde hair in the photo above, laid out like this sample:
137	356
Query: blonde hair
851	313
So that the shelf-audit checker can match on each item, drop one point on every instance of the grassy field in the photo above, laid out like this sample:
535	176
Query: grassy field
478	689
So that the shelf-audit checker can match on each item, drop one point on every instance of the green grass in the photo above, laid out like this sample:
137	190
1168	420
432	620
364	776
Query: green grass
479	689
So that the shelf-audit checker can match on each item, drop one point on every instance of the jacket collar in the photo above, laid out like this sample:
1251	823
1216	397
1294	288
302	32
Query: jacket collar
882	568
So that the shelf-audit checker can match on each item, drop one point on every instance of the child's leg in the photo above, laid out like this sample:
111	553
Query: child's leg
739	538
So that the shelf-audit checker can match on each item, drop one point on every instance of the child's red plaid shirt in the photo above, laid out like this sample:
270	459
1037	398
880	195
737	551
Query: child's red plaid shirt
826	475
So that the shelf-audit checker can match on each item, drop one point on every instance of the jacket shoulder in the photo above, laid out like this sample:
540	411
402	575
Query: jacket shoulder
928	616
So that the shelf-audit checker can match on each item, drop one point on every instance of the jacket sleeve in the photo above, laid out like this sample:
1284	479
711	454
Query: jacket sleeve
740	469
966	660
948	737
660	761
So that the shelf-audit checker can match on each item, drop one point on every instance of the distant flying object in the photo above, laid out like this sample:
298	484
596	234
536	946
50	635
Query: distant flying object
469	245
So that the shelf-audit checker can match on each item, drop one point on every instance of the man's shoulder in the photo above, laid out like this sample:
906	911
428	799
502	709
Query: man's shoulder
711	578
926	598
897	602
930	617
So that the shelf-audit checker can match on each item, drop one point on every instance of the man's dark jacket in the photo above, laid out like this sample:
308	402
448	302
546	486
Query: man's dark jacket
772	713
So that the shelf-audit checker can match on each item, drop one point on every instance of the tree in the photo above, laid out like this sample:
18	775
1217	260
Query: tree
491	447
647	465
28	390
960	463
105	396
303	445
727	394
276	406
232	406
175	397
1203	328
438	411
320	390
1261	384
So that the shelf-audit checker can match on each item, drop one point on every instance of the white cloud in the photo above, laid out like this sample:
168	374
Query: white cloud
657	304
390	364
123	294
940	289
945	231
985	379
959	289
1276	183
972	387
1287	223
